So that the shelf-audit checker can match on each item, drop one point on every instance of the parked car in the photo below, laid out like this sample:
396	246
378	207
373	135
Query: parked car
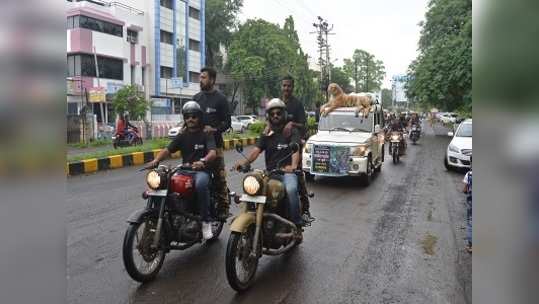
459	149
246	119
172	132
237	125
449	118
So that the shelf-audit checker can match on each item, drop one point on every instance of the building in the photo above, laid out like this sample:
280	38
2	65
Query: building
112	37
156	44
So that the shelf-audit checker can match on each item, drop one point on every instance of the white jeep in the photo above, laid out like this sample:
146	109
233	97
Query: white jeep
346	145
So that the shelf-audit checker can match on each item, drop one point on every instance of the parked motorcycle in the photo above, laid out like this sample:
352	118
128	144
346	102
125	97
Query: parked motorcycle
170	221
395	147
131	138
415	133
262	227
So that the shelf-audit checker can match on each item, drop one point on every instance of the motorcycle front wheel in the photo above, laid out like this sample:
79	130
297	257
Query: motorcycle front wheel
395	153
240	267
140	260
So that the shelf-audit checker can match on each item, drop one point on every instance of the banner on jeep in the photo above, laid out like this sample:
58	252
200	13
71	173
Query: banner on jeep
330	159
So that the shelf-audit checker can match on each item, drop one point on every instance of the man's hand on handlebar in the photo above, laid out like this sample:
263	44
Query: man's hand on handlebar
151	165
198	165
239	164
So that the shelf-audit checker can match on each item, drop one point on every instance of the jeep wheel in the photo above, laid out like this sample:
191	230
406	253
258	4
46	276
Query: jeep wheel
366	178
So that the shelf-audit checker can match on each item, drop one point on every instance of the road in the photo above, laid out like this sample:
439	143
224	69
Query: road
400	240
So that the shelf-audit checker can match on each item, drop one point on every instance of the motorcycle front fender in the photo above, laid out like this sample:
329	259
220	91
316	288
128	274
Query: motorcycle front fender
242	221
138	216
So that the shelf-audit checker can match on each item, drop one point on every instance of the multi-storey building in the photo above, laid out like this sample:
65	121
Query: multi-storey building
111	37
165	59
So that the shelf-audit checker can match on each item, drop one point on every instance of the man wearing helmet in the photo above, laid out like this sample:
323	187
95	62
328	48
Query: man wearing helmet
276	146
198	149
216	120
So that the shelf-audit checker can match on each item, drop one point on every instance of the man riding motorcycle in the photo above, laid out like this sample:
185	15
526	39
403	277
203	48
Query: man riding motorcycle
197	149
397	125
276	146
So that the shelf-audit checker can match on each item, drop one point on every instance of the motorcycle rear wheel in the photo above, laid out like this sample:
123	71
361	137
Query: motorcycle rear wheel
237	260
137	241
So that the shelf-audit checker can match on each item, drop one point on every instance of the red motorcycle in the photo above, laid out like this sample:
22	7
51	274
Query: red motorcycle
170	221
131	137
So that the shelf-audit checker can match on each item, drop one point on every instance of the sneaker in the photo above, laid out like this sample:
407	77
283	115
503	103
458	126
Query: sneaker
206	230
306	216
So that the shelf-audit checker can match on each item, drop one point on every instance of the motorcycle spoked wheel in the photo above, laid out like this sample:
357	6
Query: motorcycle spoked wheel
240	268
140	260
395	154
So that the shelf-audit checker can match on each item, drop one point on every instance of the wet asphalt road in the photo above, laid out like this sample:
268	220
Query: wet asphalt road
368	244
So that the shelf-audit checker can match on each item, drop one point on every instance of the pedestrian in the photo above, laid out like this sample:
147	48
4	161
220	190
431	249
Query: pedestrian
467	189
216	120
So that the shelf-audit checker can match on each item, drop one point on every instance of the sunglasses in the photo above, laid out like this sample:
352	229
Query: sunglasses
190	116
276	113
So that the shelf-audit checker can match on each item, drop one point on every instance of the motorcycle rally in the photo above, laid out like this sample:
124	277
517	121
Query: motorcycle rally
188	204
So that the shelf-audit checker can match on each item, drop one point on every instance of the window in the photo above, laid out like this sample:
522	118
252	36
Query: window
194	13
166	3
166	37
194	45
84	65
97	25
132	36
143	81
194	76
166	72
132	75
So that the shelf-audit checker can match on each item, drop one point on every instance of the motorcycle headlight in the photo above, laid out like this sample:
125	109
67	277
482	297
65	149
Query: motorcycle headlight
395	137
153	179
251	185
308	148
358	150
453	148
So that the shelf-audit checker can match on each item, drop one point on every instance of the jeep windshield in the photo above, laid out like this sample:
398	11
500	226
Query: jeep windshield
345	121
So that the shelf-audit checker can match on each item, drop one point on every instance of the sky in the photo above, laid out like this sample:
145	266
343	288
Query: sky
388	29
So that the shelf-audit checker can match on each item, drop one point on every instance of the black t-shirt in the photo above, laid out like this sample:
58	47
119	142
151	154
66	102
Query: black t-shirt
296	112
193	145
275	147
216	112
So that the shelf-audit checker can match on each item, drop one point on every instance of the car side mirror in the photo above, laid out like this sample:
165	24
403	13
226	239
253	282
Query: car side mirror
450	134
239	147
377	129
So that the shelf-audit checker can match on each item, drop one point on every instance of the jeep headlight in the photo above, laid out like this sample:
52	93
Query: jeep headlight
453	148
153	179
251	185
358	150
308	148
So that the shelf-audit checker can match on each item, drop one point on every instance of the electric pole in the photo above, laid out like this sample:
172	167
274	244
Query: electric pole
323	49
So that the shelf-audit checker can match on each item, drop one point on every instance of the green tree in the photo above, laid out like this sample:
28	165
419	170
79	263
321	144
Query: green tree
129	100
339	77
221	21
261	53
366	71
441	76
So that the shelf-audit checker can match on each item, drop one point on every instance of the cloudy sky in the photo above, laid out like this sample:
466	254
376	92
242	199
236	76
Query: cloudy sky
386	28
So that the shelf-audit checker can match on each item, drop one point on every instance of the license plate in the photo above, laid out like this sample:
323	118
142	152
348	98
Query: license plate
253	199
157	192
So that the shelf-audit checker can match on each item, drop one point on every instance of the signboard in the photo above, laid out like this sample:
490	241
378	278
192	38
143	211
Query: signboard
332	160
73	86
177	82
96	95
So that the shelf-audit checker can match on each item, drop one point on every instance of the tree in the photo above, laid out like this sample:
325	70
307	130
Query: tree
441	75
261	53
339	77
365	70
129	100
220	21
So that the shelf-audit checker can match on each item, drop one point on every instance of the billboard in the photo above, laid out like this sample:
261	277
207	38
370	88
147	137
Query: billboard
399	91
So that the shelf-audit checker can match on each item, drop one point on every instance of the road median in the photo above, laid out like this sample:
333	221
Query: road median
91	165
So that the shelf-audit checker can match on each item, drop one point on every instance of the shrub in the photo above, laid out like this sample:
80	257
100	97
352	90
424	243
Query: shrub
257	127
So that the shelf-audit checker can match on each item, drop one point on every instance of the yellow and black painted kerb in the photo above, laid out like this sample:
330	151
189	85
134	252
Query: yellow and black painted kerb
133	159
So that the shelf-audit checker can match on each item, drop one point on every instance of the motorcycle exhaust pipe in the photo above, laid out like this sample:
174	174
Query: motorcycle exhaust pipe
288	235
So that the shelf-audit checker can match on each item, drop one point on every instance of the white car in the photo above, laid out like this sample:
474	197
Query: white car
346	145
449	118
459	149
246	119
237	125
172	132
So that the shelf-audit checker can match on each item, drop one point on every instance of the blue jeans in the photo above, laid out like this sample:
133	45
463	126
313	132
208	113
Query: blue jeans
469	221
202	181
290	181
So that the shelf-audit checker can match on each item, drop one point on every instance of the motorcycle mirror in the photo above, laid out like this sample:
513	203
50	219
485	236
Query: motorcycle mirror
294	147
239	148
